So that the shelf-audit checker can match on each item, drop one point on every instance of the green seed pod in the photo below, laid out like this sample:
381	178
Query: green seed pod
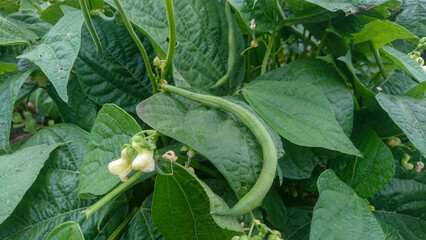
405	163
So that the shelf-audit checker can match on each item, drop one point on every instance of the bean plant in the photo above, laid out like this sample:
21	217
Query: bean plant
212	119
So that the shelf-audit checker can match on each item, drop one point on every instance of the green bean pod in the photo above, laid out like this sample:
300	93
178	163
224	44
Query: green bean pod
89	24
256	194
232	46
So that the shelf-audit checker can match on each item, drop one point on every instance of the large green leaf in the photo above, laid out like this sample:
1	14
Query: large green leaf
53	12
17	173
30	21
113	127
381	32
218	136
353	5
67	230
402	203
201	55
298	162
53	198
339	212
413	16
406	63
409	114
326	79
58	51
141	227
300	113
182	207
370	174
298	223
11	33
261	11
117	75
10	83
79	110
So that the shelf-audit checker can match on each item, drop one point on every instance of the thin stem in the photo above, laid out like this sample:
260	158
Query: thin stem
318	51
117	191
123	225
268	52
39	9
280	10
89	24
378	60
139	44
172	39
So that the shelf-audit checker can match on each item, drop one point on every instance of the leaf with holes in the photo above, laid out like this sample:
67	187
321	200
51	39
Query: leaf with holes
58	50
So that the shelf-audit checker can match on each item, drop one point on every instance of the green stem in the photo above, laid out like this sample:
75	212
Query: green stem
117	191
280	10
318	51
89	24
268	53
172	39
378	60
39	9
139	44
123	225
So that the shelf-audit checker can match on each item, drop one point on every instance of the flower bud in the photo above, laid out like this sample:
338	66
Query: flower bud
170	156
254	44
420	166
405	163
252	24
393	141
420	61
190	153
156	61
144	161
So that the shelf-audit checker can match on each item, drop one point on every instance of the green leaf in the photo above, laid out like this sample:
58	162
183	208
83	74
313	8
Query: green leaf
79	110
402	203
201	55
262	11
11	33
370	174
391	233
225	141
96	4
298	162
30	21
10	83
409	114
141	227
276	212
404	62
17	173
380	33
58	51
417	91
53	12
353	6
67	230
113	127
182	206
300	113
298	223
413	16
117	75
53	198
340	212
326	79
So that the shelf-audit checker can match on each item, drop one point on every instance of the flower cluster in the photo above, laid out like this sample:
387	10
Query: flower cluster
137	156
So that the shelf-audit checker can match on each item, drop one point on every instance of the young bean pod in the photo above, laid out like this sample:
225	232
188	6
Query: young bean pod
256	194
232	46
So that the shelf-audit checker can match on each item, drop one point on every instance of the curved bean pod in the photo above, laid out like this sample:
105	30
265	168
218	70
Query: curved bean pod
256	194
